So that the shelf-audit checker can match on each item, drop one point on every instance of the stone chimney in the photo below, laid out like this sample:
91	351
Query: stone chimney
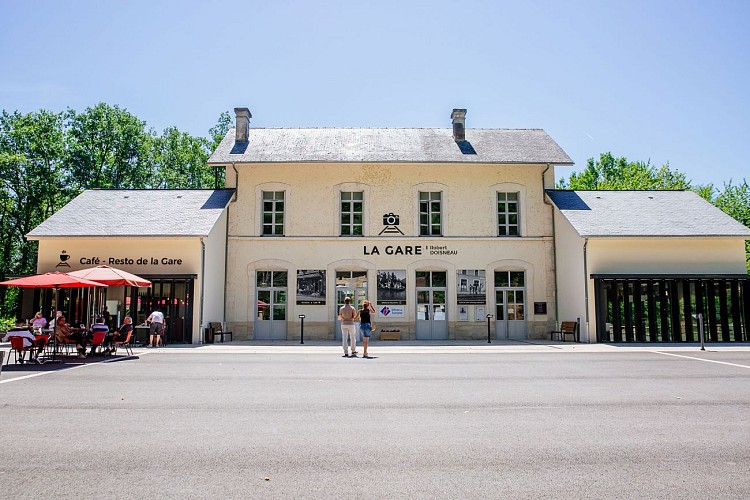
242	129
458	117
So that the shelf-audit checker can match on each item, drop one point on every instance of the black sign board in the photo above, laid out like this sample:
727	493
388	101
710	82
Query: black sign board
540	308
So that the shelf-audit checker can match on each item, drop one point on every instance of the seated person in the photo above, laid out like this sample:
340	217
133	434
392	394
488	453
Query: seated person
119	335
29	339
38	323
99	326
66	334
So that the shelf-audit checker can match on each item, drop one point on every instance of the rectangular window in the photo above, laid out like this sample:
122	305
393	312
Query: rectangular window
351	213
504	279
430	210
273	213
507	214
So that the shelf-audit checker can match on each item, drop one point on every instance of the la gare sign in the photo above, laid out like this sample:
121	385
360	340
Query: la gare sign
410	250
126	261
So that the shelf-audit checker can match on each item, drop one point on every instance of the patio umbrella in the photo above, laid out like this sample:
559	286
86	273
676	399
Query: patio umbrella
111	276
55	281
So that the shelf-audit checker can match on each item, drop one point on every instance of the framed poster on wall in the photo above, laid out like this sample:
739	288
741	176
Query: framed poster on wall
470	286
480	314
463	313
392	287
311	287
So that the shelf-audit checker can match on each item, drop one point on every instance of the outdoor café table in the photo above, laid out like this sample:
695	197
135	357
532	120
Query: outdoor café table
141	334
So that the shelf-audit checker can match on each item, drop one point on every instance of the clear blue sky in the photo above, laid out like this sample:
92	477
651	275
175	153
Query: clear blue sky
667	81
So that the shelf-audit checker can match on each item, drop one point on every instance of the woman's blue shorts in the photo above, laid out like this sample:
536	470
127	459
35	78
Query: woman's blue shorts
366	329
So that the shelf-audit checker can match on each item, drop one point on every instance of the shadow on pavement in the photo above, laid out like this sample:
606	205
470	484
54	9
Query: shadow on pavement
61	363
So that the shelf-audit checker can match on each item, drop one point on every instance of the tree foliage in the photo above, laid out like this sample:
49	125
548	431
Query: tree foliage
611	173
47	158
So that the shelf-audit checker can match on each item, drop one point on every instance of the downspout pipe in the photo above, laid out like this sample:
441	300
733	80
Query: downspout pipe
226	243
203	286
554	246
586	283
236	182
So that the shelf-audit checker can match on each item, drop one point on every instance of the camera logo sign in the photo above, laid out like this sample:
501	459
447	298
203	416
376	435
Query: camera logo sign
391	222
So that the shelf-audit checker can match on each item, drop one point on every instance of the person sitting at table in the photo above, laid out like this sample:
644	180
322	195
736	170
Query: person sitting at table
65	334
119	335
29	339
99	326
38	323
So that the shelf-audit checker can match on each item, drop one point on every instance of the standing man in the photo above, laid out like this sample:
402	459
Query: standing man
348	329
156	320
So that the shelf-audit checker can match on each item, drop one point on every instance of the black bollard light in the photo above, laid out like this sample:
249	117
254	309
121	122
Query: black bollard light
301	328
489	317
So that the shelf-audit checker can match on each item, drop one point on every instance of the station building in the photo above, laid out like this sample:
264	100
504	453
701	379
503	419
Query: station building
453	233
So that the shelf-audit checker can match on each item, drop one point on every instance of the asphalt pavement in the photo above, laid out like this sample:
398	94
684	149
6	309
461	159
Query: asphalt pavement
282	420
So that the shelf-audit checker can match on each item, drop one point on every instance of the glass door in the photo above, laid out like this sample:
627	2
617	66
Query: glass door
432	320
510	305
271	306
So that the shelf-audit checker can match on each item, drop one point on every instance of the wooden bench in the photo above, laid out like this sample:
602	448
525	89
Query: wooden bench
390	334
566	328
219	333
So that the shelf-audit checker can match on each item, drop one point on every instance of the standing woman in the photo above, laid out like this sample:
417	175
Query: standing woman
365	324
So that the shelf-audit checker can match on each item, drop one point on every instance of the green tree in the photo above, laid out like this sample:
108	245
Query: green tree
107	148
48	158
219	131
217	134
32	187
611	173
179	161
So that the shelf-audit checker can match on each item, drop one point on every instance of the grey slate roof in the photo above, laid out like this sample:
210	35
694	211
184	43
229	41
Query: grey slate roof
392	145
644	213
171	213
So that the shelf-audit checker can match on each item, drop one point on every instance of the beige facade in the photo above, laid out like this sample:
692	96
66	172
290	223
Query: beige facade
312	240
579	257
186	267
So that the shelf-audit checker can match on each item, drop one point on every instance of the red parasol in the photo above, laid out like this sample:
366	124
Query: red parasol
54	280
51	280
111	276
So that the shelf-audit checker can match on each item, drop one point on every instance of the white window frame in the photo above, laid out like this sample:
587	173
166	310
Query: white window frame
351	225
274	212
503	218
430	195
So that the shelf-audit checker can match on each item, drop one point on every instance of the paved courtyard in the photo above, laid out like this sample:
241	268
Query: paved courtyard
440	421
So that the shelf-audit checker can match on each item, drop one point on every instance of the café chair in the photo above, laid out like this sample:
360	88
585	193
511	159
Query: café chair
17	347
97	341
126	343
64	343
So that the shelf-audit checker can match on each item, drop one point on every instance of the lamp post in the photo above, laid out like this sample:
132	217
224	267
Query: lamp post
701	334
489	317
301	328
